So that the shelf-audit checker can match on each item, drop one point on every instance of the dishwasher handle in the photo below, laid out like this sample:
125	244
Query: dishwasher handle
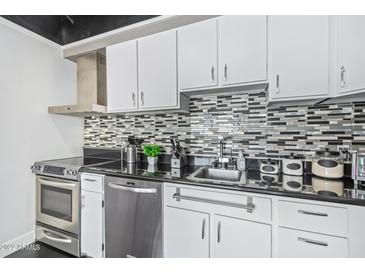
132	189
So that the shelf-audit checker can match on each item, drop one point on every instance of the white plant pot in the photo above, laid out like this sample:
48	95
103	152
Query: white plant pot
152	160
152	168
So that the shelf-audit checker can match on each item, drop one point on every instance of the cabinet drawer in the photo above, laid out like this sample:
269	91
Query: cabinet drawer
92	182
295	243
323	219
240	205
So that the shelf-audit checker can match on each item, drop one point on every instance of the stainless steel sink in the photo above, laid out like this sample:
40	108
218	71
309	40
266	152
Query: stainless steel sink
213	175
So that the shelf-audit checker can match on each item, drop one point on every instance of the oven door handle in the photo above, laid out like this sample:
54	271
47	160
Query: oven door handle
132	189
56	239
55	183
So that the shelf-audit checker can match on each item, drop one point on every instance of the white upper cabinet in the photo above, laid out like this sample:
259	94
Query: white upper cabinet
122	76
229	50
186	233
351	53
157	65
197	55
242	49
298	48
236	238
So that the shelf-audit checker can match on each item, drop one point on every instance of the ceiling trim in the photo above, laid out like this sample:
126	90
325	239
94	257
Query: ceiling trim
134	31
27	32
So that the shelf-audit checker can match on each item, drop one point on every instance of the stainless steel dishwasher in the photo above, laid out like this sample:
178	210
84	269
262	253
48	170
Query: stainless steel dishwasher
133	218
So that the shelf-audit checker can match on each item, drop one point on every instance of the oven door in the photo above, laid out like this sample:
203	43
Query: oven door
58	203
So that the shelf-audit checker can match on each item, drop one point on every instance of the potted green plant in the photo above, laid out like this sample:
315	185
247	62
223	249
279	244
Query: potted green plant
152	151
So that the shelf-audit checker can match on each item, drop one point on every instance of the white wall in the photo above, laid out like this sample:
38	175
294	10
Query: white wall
33	75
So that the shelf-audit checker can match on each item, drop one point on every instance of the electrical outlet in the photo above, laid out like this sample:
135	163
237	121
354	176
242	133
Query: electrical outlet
118	140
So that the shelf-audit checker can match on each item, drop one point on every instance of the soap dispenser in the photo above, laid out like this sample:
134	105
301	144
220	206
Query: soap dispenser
241	161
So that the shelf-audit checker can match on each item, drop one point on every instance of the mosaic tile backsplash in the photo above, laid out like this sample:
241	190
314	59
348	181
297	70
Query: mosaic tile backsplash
245	117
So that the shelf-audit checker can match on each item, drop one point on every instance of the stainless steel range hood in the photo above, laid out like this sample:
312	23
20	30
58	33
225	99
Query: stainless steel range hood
91	87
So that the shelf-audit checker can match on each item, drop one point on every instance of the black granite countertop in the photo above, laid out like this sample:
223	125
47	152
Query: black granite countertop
304	187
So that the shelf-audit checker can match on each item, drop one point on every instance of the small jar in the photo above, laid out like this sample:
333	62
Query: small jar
328	164
292	165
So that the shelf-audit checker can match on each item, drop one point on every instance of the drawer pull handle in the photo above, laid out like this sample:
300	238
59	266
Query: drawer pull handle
89	180
249	206
314	242
313	213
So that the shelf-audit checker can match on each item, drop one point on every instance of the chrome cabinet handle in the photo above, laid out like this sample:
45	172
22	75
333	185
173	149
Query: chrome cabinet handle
142	98
321	214
132	189
219	232
134	99
249	206
277	83
49	236
225	72
213	73
342	70
314	242
82	201
89	180
203	229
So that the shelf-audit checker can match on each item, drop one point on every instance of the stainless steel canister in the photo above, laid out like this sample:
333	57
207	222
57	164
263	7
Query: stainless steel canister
131	151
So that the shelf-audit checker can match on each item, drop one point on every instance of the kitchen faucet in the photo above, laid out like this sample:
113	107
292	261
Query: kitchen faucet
222	161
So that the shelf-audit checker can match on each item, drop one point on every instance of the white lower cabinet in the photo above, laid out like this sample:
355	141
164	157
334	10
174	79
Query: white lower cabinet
300	244
205	222
92	216
237	238
186	233
211	222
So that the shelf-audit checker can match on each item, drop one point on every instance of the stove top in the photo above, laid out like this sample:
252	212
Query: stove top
66	168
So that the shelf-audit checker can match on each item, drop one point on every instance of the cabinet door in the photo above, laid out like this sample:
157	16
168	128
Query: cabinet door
237	238
92	224
186	233
351	54
157	70
298	56
197	55
122	76
242	50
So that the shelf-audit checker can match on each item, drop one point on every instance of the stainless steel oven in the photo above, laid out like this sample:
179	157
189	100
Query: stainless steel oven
58	199
58	203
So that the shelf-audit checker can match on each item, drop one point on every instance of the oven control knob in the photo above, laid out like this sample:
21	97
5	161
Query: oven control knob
74	172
